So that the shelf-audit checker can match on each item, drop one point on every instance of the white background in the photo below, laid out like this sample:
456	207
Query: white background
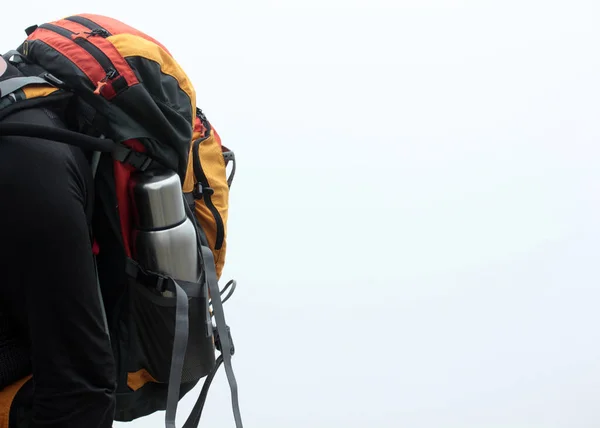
414	223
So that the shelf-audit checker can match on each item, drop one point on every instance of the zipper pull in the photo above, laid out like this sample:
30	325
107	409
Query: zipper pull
98	32
109	75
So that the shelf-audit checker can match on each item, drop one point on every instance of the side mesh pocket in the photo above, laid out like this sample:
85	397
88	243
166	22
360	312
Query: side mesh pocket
153	324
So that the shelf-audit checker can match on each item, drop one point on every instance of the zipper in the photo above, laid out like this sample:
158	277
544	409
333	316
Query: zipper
103	60
97	30
204	190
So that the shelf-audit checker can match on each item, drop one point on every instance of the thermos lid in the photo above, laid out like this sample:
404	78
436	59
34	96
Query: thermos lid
157	200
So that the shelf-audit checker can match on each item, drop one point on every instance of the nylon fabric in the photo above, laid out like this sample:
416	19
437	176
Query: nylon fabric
38	91
214	168
117	27
130	45
73	52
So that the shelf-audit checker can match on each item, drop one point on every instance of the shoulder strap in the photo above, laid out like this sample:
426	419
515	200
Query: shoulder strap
57	134
13	84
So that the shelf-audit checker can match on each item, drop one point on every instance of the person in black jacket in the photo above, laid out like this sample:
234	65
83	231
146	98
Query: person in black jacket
48	284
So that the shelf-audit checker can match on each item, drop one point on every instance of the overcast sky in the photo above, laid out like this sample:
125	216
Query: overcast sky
415	221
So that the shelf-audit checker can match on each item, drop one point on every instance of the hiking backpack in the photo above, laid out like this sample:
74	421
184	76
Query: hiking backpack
132	106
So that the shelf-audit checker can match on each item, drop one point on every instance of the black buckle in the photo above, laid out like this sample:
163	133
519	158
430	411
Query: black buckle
138	160
161	283
53	80
218	340
200	190
154	280
228	156
149	279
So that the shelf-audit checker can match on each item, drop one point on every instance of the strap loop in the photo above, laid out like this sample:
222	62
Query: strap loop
229	156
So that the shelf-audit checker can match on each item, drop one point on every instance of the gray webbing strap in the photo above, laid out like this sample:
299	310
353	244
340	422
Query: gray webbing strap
178	355
226	345
181	339
13	53
229	156
9	86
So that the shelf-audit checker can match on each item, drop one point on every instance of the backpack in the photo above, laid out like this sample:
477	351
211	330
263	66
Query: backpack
132	105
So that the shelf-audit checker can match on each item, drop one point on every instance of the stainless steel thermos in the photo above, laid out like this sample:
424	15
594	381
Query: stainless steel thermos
164	239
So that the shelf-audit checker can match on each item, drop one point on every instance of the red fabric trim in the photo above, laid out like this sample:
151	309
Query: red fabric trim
73	52
107	91
122	173
105	46
116	58
72	26
199	126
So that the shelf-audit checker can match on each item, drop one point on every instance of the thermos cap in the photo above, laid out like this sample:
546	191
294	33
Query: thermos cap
157	200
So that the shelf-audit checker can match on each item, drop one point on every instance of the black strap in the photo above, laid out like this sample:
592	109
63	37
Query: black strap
120	152
57	134
190	200
11	54
153	280
138	160
194	419
29	30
